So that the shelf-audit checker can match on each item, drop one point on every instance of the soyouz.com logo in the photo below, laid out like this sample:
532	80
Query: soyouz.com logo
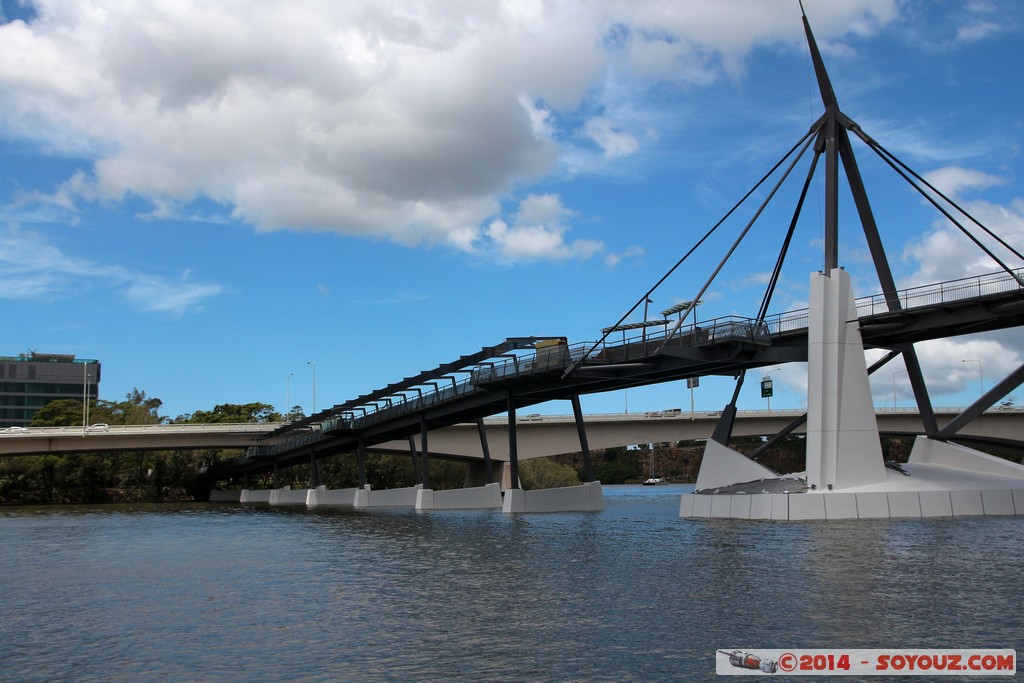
877	662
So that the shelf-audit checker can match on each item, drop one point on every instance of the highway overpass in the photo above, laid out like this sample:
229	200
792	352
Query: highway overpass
538	435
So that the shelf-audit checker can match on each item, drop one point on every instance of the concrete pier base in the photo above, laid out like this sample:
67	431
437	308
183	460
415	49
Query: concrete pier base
258	496
321	495
939	480
584	498
477	497
368	498
286	496
867	505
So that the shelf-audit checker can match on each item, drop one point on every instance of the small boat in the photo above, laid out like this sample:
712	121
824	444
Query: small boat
654	481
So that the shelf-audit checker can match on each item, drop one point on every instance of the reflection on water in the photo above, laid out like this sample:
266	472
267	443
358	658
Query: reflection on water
220	592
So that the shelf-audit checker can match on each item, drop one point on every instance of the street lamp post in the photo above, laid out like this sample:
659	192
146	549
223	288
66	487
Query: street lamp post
85	396
288	394
981	380
894	387
313	364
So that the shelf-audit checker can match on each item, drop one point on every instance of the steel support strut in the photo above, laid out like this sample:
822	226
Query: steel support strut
513	452
577	411
986	401
361	462
415	463
423	452
314	469
485	448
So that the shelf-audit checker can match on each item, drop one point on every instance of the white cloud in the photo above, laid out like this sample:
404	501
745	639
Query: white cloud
408	121
952	180
949	367
31	268
634	254
537	233
612	141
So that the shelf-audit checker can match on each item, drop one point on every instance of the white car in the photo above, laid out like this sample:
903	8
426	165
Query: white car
99	427
14	430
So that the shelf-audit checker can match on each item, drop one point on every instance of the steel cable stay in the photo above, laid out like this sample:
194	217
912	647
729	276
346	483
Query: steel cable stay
903	170
743	234
802	141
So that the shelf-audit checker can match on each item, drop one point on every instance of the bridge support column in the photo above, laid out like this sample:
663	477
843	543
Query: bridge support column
588	467
415	464
513	452
361	462
843	448
314	470
424	452
488	470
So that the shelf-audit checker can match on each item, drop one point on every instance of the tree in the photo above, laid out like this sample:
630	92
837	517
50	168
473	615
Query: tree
544	473
232	413
65	412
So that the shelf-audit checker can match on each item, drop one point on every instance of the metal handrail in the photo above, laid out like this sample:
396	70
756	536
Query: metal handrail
639	346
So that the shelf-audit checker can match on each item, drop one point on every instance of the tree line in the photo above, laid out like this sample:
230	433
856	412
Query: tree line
159	476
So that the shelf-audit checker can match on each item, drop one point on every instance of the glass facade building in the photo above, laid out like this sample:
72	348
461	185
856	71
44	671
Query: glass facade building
31	380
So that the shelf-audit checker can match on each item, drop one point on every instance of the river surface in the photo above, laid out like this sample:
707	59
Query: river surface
208	592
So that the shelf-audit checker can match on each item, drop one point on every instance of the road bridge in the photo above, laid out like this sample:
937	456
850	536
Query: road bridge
545	435
539	435
110	438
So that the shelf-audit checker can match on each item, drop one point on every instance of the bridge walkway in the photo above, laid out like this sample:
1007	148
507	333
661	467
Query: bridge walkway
524	371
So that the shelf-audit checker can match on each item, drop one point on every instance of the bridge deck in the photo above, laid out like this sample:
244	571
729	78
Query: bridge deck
480	384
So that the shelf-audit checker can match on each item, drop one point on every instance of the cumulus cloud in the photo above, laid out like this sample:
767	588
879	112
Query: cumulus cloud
537	232
944	252
33	268
634	254
408	121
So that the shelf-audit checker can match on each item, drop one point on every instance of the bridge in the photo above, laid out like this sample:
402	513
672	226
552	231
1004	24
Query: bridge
830	336
526	371
539	435
111	438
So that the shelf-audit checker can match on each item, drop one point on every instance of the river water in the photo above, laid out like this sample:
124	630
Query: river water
206	592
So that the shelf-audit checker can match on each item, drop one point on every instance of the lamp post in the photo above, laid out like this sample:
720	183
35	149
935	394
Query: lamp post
85	396
313	364
288	394
894	387
981	381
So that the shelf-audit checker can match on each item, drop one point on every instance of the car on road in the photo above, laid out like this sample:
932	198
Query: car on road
14	430
99	427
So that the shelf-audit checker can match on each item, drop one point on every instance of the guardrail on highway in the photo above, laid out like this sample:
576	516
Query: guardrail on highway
245	427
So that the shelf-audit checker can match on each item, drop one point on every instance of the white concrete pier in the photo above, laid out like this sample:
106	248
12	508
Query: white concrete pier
846	476
404	497
254	496
584	498
477	497
321	495
287	496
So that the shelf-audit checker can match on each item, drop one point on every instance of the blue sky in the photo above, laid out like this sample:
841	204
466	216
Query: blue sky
208	196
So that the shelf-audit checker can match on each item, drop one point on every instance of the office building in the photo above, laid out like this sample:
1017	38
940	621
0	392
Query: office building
31	380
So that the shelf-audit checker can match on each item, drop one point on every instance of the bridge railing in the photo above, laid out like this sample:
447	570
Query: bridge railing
945	292
641	345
